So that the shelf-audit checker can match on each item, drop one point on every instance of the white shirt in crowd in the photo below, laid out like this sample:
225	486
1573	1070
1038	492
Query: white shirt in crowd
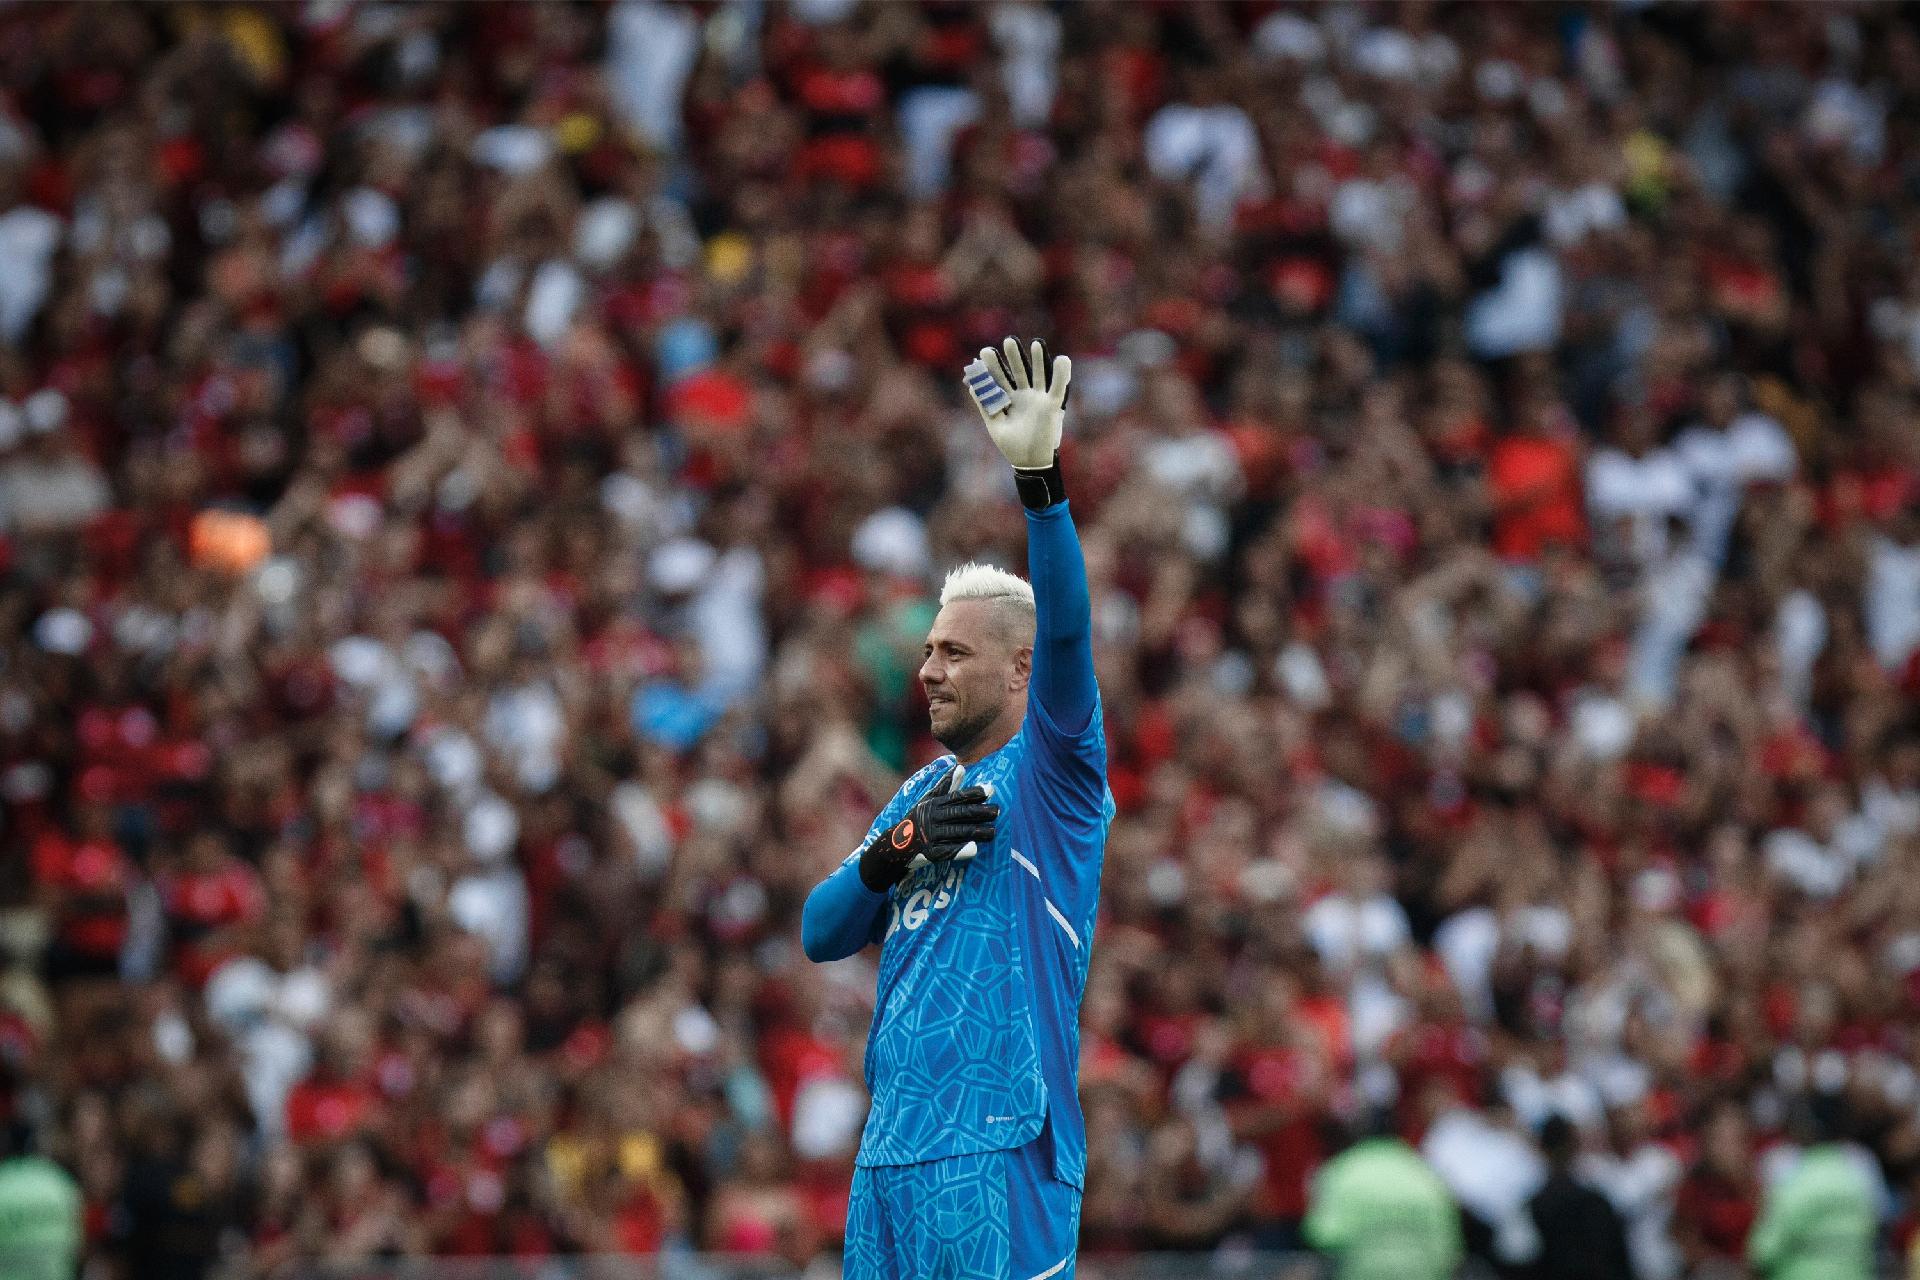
1641	1187
1492	1170
1751	449
1029	39
1346	931
1892	600
41	495
1215	148
1644	492
1468	941
1821	868
1523	311
28	238
270	1016
650	53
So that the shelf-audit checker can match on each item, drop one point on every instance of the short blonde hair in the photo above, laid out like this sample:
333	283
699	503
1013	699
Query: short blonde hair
975	581
1011	592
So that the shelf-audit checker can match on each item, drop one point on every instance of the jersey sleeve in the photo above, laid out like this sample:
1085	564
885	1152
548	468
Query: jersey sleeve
842	915
1063	708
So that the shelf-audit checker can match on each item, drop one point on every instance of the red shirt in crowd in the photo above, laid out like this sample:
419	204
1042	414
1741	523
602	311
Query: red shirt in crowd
1536	494
789	1057
1274	1100
1719	1210
322	1109
90	879
1436	1050
201	903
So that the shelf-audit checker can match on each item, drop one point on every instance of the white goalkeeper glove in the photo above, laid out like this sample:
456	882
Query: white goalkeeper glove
1025	414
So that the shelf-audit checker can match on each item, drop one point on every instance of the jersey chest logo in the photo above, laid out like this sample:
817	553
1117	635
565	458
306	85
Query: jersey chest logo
921	896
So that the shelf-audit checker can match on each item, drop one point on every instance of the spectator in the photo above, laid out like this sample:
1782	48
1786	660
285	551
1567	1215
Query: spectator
1378	1210
40	1229
1190	1198
1492	1170
1534	477
761	1210
1893	594
1715	1206
182	1210
1581	1236
1277	1092
1639	1176
48	486
84	880
1821	1218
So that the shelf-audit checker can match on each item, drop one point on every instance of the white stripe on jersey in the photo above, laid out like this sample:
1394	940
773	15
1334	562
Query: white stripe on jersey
1021	858
1062	922
1057	1267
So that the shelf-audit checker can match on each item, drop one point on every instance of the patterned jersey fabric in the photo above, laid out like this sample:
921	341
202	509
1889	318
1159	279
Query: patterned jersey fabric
976	1038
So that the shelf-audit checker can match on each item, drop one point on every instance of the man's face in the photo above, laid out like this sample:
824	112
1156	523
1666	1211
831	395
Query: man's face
973	669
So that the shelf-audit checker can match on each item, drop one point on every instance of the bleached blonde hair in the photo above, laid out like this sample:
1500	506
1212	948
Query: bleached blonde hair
1011	592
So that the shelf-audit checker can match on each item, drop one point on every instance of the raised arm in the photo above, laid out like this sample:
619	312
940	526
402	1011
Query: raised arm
1025	410
1063	682
1025	413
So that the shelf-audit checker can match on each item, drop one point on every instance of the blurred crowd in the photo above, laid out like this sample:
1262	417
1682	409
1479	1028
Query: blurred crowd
473	480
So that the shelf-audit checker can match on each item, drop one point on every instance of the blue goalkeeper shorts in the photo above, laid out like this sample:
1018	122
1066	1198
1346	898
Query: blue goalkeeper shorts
998	1215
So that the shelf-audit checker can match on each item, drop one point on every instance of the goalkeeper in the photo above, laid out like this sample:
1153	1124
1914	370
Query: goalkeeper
978	880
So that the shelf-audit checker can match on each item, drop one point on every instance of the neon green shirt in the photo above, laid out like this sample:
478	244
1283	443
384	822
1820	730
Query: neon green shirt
1818	1224
39	1220
1384	1215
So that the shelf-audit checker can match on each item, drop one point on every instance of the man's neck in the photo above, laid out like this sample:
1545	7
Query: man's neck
986	744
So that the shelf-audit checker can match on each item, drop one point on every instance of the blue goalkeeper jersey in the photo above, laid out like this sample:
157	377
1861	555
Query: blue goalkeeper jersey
975	1044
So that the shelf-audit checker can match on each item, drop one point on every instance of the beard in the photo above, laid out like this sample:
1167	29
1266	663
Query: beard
964	728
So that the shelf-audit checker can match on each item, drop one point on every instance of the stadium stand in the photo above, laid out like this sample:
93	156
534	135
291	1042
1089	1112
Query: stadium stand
442	637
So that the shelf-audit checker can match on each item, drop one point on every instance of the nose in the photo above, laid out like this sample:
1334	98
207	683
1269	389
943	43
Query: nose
933	671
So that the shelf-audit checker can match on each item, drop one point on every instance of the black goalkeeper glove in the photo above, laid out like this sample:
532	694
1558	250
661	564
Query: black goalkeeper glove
948	825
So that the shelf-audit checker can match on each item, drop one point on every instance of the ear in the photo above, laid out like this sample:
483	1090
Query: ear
1022	668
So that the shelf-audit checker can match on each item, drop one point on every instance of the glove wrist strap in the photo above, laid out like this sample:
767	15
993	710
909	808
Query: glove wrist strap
1040	487
880	877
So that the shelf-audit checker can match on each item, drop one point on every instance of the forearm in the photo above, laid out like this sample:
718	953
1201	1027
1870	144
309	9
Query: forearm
1063	640
837	920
